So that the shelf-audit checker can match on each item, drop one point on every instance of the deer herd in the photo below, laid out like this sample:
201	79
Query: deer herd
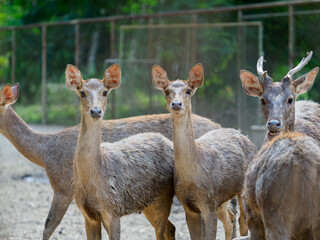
117	167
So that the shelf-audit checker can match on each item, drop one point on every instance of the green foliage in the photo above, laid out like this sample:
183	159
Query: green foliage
218	51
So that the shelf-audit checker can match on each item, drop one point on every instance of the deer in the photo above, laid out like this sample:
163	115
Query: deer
55	151
282	189
115	179
282	113
210	170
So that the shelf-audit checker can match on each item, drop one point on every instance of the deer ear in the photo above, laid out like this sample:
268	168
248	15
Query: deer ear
305	82
7	95
73	77
196	76
251	84
15	91
112	77
159	77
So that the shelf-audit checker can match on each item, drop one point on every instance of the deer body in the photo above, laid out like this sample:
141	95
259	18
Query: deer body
280	177
282	189
55	152
210	170
307	119
114	179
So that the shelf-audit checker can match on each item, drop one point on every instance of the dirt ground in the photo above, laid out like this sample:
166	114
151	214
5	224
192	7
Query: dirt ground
25	198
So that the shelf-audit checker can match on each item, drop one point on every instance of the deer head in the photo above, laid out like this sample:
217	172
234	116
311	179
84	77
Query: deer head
179	92
93	92
278	98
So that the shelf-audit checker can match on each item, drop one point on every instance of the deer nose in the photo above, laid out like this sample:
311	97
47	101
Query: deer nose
95	112
274	124
176	105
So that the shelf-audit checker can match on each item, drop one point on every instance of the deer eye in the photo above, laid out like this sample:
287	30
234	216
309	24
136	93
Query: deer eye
290	100
263	101
188	91
82	94
167	92
105	93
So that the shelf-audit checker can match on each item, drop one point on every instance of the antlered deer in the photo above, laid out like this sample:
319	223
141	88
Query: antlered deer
281	111
209	170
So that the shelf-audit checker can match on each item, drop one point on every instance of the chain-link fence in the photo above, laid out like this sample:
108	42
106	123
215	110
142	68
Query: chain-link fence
224	40
177	47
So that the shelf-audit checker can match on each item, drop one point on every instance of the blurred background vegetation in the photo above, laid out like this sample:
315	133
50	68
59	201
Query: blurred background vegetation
176	49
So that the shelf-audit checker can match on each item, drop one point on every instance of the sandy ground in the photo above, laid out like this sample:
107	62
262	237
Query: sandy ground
25	198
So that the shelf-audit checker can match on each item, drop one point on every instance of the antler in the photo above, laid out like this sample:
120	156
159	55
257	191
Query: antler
260	71
302	63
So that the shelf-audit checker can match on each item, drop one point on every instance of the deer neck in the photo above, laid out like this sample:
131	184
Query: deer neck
29	143
184	145
88	150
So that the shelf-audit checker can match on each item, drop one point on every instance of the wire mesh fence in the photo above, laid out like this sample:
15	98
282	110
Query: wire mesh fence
224	40
177	47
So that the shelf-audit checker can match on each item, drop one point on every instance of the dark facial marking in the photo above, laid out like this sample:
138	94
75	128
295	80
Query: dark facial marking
82	94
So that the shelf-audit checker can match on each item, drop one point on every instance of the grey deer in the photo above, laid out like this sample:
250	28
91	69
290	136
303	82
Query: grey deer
278	99
115	179
282	189
209	170
55	152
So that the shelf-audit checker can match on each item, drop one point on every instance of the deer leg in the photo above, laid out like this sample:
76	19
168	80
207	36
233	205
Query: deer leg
242	220
255	224
158	213
112	225
194	224
59	206
316	231
93	229
209	222
226	216
278	233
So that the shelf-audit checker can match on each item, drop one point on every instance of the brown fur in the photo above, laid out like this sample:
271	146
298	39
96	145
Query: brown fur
115	179
210	170
55	152
282	189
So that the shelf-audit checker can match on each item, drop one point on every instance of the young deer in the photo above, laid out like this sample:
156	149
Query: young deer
278	100
209	170
115	179
55	152
282	189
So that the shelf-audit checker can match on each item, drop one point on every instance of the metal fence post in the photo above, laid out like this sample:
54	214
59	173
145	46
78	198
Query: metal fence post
13	56
291	36
112	56
77	63
239	64
44	75
150	55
